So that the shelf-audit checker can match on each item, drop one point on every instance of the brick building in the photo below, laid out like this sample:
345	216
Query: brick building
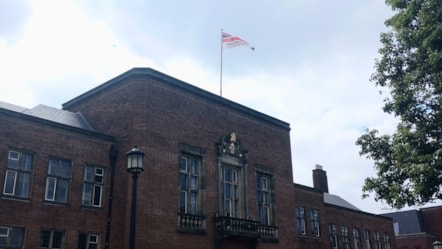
326	220
417	229
217	174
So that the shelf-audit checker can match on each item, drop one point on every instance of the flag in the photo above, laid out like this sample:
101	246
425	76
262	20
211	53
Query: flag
234	41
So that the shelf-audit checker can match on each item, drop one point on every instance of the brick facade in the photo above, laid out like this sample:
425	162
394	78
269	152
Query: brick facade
167	119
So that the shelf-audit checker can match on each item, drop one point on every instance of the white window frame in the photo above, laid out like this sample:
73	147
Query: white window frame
58	177
8	172
9	235
377	240
357	238
7	231
94	184
387	241
266	207
51	239
300	220
47	198
333	236
345	237
18	174
187	189
91	242
367	239
14	158
314	217
234	208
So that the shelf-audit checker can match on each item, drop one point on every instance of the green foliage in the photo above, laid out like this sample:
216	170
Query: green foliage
409	162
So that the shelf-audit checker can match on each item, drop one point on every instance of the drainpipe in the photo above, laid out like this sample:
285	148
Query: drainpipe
113	153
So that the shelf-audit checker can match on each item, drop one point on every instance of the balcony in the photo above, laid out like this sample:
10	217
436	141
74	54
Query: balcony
245	228
188	223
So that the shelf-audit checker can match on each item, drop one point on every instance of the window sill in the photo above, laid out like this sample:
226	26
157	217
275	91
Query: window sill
13	198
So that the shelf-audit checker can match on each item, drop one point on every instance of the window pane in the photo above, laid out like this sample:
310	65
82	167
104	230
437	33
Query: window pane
62	191
13	159
193	167
44	238
227	190
97	195
193	182
227	203
65	169
264	198
50	188
52	168
16	236
26	162
266	215
82	241
23	185
193	203
183	164
182	201
183	181
264	183
99	175
3	241
227	174
57	240
9	182
87	194
89	174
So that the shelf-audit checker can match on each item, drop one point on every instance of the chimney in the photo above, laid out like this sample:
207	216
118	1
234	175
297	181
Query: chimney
320	179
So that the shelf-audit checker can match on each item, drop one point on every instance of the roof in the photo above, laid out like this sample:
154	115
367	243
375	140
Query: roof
51	114
409	222
338	201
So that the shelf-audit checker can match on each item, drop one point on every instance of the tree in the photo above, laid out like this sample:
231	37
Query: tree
409	162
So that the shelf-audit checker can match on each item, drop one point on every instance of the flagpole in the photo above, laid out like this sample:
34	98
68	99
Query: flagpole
221	69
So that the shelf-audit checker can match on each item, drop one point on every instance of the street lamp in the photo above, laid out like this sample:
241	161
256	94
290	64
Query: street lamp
134	166
437	244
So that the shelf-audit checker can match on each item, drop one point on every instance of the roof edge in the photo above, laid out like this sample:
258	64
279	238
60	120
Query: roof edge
56	125
151	73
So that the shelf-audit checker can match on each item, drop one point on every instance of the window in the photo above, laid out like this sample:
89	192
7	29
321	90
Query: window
231	191
387	241
377	240
57	181
367	239
314	218
264	187
300	220
88	241
11	237
93	186
345	238
18	174
333	236
189	185
50	239
357	238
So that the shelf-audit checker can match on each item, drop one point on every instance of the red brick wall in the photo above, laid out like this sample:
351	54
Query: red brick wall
432	218
354	219
311	198
44	141
412	241
158	118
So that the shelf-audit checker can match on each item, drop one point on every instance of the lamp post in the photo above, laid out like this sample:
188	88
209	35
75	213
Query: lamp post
437	244
134	166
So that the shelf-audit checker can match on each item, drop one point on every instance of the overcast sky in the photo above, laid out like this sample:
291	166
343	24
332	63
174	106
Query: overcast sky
311	66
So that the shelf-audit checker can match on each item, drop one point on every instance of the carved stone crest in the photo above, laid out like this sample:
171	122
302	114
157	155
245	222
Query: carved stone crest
230	145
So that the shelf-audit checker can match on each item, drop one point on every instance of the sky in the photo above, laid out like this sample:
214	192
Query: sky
311	65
